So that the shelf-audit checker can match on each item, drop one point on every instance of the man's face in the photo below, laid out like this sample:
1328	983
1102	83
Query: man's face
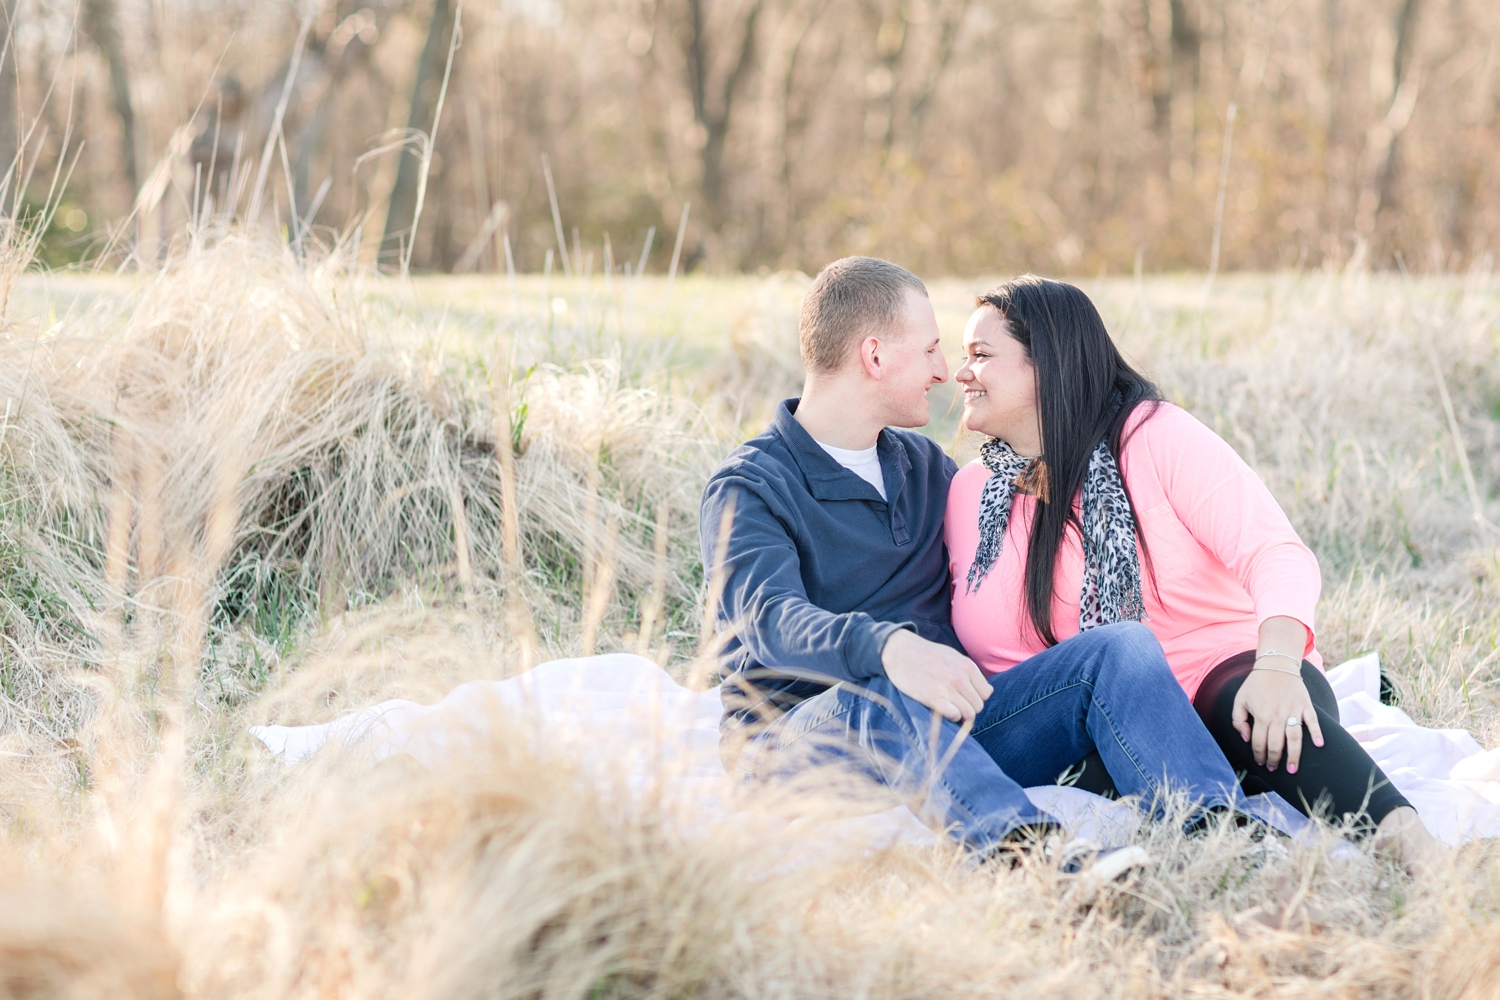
911	362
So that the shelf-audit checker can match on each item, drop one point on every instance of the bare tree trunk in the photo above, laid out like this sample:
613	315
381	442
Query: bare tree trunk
1158	74
1185	79
1091	132
1466	229
403	202
920	99
780	127
1187	46
321	74
714	111
800	80
99	21
907	73
1340	175
1401	70
891	36
10	112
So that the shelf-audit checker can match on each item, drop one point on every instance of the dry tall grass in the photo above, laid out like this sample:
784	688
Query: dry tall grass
243	491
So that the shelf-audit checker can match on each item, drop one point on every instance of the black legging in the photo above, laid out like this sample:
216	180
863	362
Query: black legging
1337	780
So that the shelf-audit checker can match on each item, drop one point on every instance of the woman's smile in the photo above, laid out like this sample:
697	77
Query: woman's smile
996	362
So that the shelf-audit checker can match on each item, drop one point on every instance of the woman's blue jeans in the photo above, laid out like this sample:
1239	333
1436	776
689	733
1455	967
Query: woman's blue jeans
1108	688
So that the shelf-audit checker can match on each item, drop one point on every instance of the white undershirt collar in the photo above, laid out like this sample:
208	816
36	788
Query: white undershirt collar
864	463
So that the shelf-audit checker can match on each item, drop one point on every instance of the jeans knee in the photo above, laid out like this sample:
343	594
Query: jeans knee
872	693
1132	651
875	696
1130	633
881	686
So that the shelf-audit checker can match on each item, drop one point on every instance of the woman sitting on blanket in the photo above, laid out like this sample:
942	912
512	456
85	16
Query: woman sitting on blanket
1161	522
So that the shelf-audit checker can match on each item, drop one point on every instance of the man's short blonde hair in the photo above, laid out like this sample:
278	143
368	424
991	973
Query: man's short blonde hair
849	299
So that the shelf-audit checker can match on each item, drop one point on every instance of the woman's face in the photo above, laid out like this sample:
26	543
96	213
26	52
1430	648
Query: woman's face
999	384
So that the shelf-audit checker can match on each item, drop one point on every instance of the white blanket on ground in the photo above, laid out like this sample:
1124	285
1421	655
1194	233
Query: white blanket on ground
621	714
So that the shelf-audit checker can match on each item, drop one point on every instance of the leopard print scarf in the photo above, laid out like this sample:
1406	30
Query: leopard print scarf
1111	566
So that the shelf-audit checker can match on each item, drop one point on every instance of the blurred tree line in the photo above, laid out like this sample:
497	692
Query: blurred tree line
953	135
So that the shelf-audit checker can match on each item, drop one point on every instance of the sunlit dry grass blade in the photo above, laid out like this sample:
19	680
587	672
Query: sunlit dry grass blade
653	608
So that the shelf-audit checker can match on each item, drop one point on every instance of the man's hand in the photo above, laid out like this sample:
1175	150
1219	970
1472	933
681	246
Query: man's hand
941	678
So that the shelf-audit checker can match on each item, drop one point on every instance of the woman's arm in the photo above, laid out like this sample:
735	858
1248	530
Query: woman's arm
1232	514
1273	695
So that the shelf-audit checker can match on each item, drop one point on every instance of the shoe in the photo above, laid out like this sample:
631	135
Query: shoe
1093	864
1267	850
1096	866
1114	864
1021	843
1210	818
1080	855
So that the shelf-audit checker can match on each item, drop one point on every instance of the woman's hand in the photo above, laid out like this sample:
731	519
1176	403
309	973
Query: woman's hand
1268	698
1273	693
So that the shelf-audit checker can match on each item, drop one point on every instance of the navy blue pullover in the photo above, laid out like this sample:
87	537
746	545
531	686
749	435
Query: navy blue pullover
818	570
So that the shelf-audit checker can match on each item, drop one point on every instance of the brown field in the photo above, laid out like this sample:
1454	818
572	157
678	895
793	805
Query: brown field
242	490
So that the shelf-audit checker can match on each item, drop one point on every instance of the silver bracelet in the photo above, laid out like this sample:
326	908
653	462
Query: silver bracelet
1271	652
1277	670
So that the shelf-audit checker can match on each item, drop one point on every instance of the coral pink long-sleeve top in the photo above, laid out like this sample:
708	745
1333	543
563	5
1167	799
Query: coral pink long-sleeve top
1224	555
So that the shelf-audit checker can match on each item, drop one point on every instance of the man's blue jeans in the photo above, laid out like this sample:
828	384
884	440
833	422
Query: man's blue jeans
1108	688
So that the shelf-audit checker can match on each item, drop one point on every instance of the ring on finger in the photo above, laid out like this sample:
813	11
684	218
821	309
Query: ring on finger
1292	721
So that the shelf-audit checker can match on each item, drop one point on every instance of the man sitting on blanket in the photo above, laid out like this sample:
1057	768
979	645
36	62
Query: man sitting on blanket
835	603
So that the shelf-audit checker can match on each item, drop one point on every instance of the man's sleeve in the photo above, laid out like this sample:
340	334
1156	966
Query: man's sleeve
762	598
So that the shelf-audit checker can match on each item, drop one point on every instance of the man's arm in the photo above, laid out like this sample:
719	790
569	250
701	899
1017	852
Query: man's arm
764	600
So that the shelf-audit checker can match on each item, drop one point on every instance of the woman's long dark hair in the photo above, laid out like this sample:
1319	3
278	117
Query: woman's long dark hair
1085	392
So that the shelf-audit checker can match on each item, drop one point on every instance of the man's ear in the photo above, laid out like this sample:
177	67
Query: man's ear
871	356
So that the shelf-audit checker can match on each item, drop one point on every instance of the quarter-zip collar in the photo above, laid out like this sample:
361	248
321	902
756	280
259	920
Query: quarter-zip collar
828	480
